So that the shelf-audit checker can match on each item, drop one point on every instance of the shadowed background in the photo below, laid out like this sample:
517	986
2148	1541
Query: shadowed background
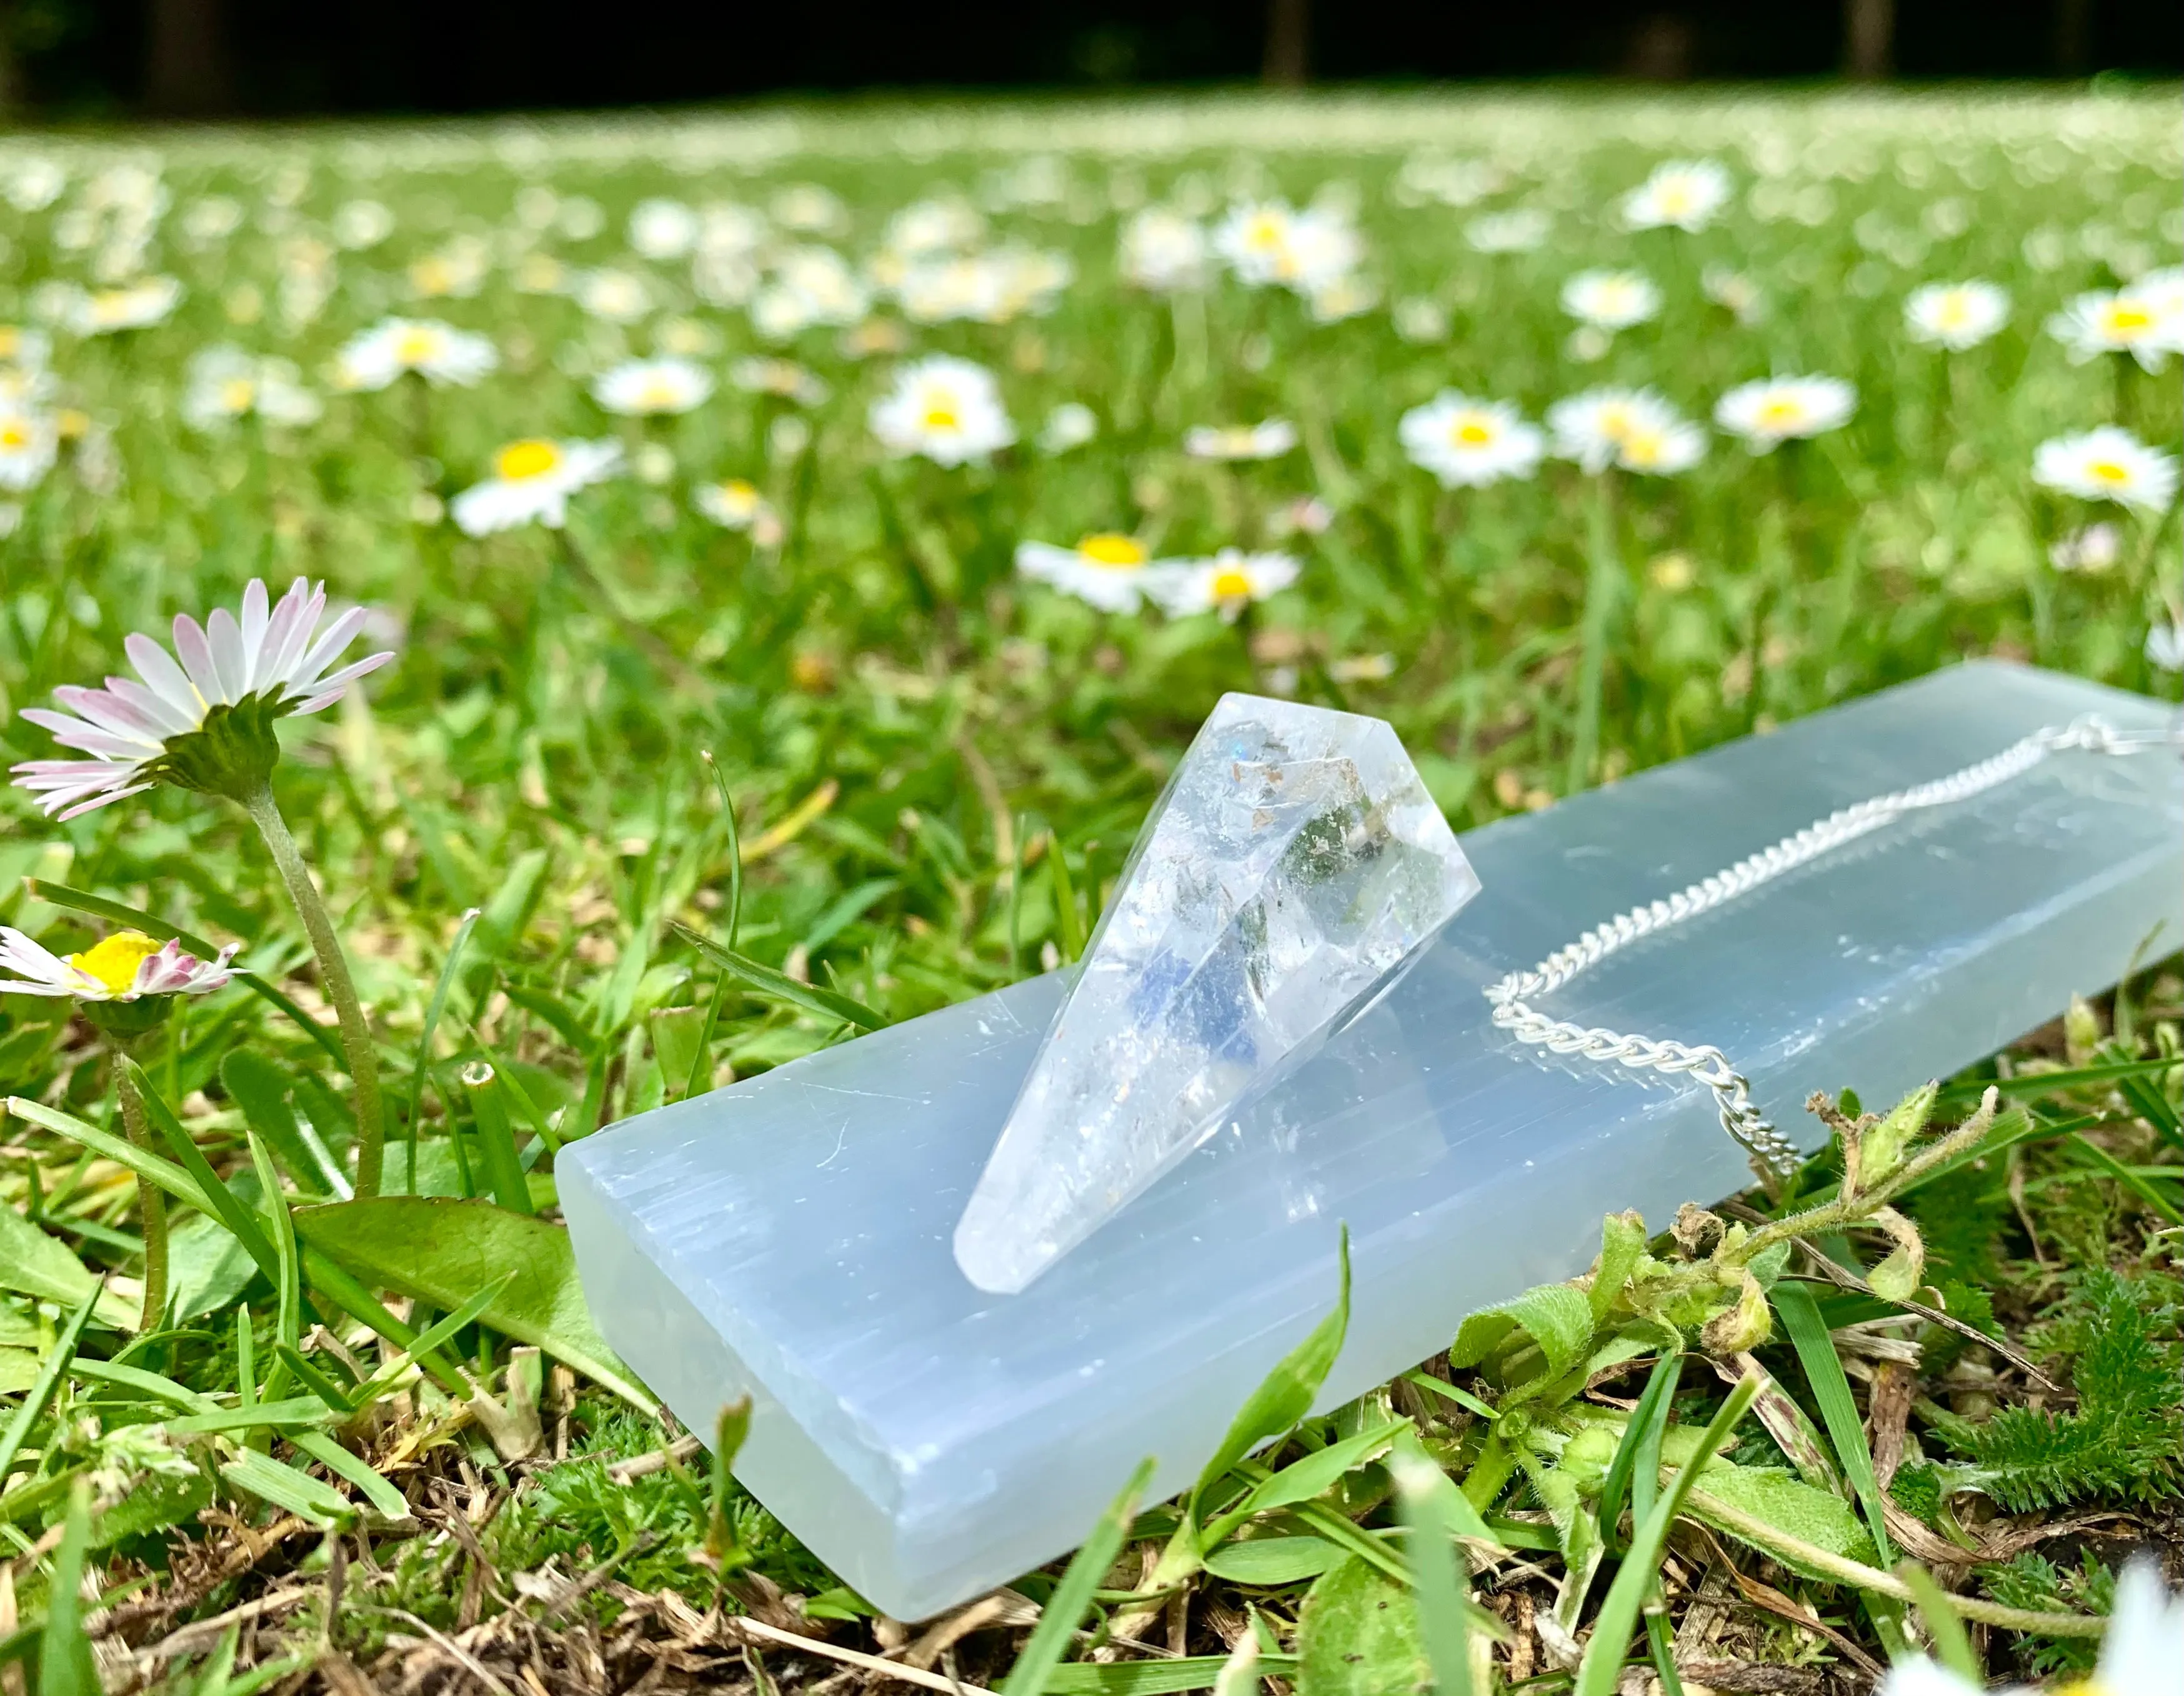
76	60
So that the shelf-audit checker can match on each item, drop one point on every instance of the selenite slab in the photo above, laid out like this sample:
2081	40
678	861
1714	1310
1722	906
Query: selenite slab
790	1236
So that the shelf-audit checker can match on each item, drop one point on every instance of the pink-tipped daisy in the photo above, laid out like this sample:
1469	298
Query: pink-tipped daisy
125	967
205	721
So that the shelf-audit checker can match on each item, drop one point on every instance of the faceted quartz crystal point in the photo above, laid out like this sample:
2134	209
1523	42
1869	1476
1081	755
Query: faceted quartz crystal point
1293	868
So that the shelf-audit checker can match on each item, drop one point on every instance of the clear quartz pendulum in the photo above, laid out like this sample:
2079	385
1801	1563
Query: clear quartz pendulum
1294	867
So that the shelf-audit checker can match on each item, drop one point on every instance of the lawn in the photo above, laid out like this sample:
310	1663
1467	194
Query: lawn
821	530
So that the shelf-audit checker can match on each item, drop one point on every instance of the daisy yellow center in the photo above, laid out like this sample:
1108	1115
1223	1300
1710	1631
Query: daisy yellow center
2128	318
417	346
520	461
1265	232
2094	1686
236	393
1615	423
14	437
738	496
1472	433
1675	198
1643	448
1780	413
1952	312
1116	552
2110	471
659	394
11	341
113	963
940	414
1231	585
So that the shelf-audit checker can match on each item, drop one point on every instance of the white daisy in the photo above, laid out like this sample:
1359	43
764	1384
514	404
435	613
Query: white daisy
30	443
2106	463
1636	429
1468	444
2093	549
1519	230
1611	299
662	229
733	504
2142	1654
266	664
1254	240
1781	408
2146	326
617	297
1684	193
394	347
947	409
24	348
124	967
1163	250
531	481
1110	571
1226	583
1070	425
134	307
225	384
651	387
1956	316
1269	439
2164	647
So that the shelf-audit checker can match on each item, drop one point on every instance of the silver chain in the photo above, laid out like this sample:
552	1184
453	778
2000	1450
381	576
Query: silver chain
1770	1151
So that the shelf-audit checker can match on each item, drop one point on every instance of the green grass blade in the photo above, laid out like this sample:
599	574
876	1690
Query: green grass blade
1944	1628
423	1064
780	986
1066	1609
66	1667
1816	1352
1602	1665
1443	1591
503	1168
221	1200
1647	1420
2112	1167
32	1407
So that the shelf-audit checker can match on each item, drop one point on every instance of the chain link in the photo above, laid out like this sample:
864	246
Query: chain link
1771	1151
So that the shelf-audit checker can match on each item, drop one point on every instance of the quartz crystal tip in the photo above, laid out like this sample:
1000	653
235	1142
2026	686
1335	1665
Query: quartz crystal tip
1294	867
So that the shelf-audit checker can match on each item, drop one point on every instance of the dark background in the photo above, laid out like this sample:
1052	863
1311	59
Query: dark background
74	59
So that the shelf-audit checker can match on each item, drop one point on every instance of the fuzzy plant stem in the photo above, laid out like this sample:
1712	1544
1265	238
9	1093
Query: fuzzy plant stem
151	1203
333	973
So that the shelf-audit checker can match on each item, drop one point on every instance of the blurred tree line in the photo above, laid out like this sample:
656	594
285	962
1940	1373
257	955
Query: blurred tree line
76	60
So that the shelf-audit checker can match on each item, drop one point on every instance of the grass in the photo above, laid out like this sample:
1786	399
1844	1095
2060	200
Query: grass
361	1451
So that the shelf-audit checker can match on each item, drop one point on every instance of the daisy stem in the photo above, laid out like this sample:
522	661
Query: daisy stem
1603	585
150	1202
333	973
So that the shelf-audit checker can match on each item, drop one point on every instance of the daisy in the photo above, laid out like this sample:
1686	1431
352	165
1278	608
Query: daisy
1781	408
1070	425
639	389
784	378
1737	294
395	347
2142	1654
1611	299
662	229
2106	463
1110	571
125	967
2093	549
617	297
203	723
1636	429
1268	439
2164	647
1684	193
1956	316
531	482
24	349
225	384
1468	444
30	443
947	409
1255	242
1163	250
1227	583
2146	325
1520	230
135	307
733	504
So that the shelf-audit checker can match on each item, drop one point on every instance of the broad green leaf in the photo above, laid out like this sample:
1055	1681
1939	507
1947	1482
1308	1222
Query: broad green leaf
1065	1608
206	1267
42	1266
285	1487
1622	1245
1285	1395
1799	1509
826	1004
1319	1471
1272	1561
18	1370
152	1503
385	1498
1558	1317
260	1089
444	1252
1358	1636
